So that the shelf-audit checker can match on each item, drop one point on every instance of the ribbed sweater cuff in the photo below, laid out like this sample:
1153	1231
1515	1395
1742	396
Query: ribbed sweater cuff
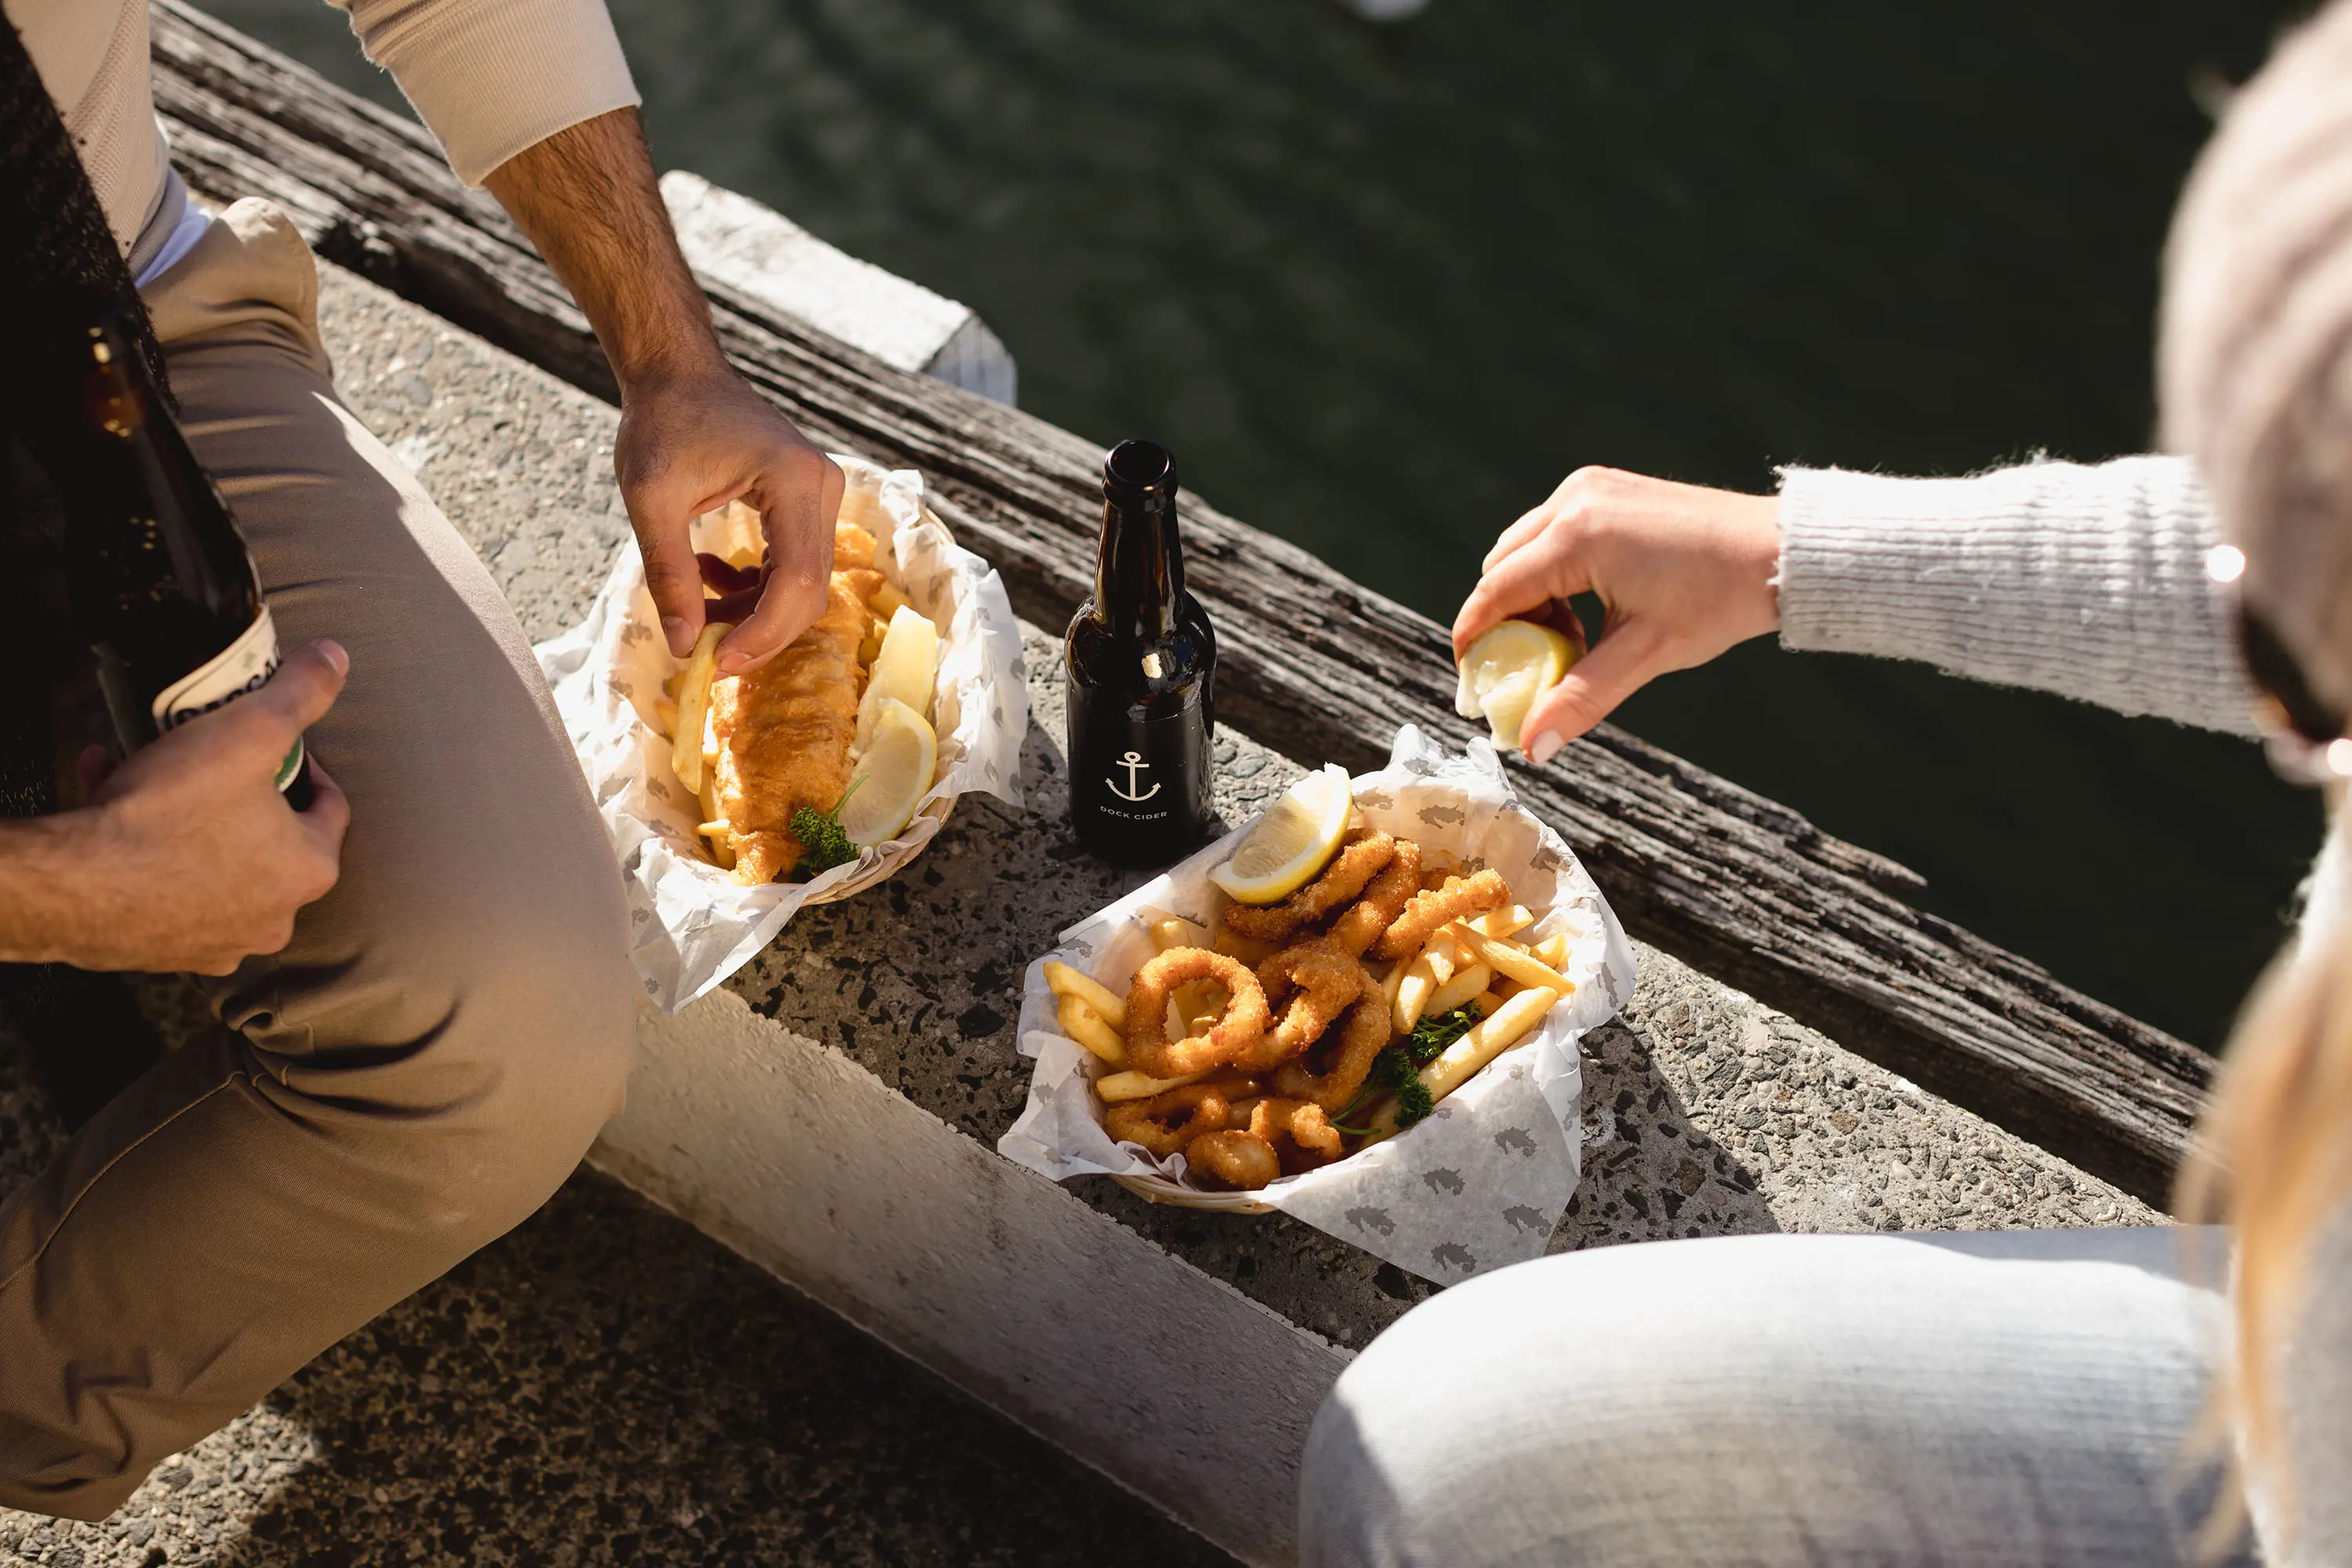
491	78
2085	581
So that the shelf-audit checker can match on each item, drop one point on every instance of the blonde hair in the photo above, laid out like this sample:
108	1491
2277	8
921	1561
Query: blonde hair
2274	1163
2255	380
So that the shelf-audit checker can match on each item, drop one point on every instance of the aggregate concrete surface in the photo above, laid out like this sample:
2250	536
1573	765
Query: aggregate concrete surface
1705	1114
608	1385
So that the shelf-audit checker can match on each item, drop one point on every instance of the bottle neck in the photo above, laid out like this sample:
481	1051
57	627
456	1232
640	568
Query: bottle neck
1139	570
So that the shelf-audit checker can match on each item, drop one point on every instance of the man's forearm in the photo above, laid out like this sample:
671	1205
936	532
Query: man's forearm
694	435
41	914
588	200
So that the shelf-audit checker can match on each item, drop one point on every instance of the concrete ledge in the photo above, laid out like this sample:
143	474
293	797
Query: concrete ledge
831	1112
1084	1333
759	251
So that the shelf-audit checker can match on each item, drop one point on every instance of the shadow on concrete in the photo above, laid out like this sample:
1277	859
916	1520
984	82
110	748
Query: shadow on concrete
1649	1174
606	1385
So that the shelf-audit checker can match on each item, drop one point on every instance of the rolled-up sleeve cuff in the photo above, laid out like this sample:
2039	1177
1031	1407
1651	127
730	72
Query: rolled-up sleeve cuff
491	78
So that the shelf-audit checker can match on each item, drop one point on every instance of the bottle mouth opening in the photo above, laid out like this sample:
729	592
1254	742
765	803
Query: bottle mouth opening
1141	466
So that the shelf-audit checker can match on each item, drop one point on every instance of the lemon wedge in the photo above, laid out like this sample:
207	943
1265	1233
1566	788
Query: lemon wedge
891	778
903	670
1506	669
1289	846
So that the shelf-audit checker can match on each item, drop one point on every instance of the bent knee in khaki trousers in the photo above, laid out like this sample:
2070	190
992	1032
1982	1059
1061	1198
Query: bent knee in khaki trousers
438	1045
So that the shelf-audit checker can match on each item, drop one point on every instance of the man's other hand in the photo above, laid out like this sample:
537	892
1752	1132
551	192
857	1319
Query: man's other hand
187	858
689	445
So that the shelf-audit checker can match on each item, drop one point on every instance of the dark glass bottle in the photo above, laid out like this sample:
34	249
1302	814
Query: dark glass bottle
161	582
1143	666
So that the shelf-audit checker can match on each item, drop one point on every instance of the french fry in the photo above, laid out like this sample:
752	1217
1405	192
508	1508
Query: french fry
1083	1024
694	707
1465	985
1553	950
1194	1007
1509	958
1489	1038
1175	930
1249	949
1501	923
1432	967
1109	1005
871	649
665	716
884	601
1114	1087
1489	1001
714	824
1394	981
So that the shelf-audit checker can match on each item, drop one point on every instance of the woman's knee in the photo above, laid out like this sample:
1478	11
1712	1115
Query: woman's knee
1435	1434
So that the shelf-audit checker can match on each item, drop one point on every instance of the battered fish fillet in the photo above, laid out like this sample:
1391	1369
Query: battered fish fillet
783	736
853	548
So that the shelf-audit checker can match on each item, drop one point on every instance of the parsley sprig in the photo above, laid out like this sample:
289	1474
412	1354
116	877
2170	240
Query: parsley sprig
825	843
1397	1070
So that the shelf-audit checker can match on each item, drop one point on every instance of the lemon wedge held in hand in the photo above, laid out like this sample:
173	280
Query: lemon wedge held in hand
1506	669
891	777
1289	846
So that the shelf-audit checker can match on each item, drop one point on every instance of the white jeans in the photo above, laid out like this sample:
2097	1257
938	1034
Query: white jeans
1992	1398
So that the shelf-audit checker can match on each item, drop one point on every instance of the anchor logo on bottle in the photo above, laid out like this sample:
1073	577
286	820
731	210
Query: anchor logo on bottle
1134	764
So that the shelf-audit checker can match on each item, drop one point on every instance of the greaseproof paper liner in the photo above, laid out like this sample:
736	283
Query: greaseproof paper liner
1482	1181
691	923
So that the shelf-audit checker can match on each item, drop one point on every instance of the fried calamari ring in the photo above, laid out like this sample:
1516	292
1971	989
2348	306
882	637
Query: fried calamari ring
1458	900
1390	895
1302	1136
1362	1034
1148	1049
1243	1161
1341	881
1166	1122
1328	982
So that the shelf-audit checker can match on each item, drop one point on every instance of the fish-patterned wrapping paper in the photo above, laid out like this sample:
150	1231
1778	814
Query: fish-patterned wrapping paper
1482	1182
691	923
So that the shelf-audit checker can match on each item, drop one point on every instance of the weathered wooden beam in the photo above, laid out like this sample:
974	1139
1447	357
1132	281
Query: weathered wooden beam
1319	666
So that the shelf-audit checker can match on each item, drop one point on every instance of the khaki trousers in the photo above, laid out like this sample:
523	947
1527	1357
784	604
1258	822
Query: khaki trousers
435	1050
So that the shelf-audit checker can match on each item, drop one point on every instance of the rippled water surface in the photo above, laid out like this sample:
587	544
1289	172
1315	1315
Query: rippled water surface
1380	288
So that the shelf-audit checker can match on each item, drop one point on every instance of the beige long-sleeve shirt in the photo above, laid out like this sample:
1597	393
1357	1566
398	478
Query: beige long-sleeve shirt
488	77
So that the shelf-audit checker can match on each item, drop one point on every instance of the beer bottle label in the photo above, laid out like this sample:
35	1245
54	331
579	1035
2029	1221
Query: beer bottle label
245	666
1149	774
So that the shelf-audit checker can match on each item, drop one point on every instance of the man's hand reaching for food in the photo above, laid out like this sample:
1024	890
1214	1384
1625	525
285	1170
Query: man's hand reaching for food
689	447
694	435
1682	572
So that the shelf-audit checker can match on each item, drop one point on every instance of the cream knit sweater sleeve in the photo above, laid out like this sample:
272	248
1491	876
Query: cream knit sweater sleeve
2085	581
493	76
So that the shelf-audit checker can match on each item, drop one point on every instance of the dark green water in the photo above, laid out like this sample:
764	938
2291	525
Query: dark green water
1380	288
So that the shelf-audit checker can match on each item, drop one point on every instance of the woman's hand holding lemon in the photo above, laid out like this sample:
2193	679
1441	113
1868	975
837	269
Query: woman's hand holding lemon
1682	572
